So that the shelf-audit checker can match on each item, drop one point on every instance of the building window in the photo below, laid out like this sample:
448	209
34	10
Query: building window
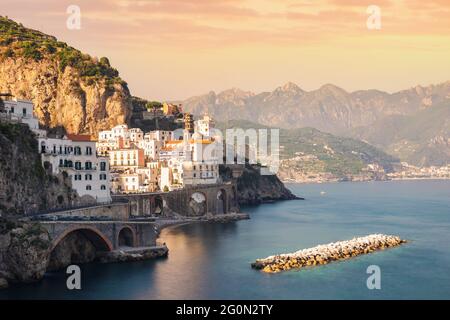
78	165
88	187
103	166
103	187
102	176
24	112
88	151
88	177
88	165
77	151
12	110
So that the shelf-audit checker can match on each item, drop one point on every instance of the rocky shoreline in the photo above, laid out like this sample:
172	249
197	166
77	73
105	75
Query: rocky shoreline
132	254
324	254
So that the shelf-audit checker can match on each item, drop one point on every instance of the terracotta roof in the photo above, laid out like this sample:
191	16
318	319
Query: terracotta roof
79	137
201	141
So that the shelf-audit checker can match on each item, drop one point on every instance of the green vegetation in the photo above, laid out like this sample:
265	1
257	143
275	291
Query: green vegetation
151	105
16	40
322	152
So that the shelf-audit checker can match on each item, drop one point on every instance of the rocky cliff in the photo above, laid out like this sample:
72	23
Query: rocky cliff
24	251
254	188
71	89
25	186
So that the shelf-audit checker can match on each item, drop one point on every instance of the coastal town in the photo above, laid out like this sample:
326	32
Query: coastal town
126	160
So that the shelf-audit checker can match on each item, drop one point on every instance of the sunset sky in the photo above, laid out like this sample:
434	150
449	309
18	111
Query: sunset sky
174	49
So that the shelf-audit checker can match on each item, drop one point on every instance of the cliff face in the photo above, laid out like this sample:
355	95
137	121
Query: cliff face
68	88
254	188
24	251
25	186
62	98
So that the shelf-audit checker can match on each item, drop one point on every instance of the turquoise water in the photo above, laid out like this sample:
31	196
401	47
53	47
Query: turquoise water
212	261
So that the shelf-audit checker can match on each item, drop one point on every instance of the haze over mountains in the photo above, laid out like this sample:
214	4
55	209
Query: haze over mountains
389	121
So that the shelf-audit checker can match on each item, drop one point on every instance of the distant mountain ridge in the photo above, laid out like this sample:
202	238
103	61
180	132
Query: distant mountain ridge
422	139
328	108
371	115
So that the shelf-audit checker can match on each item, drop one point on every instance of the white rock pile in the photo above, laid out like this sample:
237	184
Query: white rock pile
326	253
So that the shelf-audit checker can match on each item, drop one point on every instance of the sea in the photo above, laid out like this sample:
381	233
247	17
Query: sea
213	261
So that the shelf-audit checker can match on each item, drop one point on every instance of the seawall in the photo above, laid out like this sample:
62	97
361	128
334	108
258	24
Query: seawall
324	254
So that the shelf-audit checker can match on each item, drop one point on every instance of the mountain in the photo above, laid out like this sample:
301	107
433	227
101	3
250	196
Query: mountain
308	152
69	88
328	108
422	139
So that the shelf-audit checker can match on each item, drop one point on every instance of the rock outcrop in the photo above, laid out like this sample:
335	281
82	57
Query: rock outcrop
24	251
25	186
68	88
254	188
138	254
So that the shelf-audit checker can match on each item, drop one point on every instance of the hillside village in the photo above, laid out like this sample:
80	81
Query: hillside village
127	160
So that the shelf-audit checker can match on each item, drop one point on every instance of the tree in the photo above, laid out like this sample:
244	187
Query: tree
105	61
166	189
153	105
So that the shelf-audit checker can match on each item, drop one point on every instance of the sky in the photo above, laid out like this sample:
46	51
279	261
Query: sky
175	49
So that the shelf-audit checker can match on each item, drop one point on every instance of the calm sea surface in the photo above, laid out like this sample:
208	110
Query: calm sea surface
212	261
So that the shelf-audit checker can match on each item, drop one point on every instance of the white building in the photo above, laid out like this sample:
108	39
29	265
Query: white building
204	126
159	135
151	148
127	182
23	111
76	155
119	137
127	158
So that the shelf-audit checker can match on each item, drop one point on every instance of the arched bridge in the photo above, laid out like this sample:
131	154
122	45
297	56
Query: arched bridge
105	235
190	201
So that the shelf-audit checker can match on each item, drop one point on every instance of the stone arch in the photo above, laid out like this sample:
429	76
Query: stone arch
97	238
126	237
221	202
198	204
79	244
158	206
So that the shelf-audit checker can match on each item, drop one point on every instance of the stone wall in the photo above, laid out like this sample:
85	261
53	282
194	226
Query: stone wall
114	211
190	201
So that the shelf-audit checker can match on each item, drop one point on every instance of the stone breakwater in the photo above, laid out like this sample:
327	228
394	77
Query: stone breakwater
324	254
